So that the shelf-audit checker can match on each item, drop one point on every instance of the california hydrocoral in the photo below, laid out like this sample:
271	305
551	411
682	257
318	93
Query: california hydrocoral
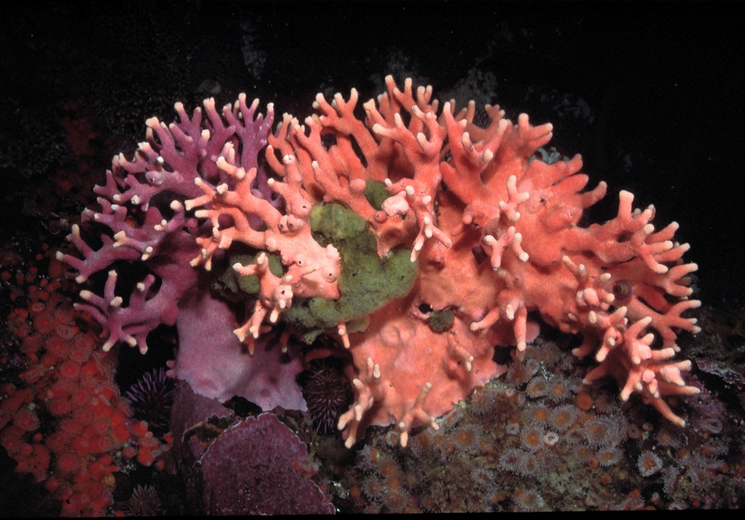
280	236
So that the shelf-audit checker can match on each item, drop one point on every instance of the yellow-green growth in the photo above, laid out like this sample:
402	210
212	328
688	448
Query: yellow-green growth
440	321
376	193
248	284
366	281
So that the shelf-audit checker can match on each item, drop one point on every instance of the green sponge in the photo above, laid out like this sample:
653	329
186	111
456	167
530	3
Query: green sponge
366	281
232	281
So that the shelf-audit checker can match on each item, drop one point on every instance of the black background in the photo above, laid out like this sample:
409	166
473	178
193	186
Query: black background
661	84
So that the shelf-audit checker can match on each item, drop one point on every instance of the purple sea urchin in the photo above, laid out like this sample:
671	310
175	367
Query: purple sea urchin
327	392
150	399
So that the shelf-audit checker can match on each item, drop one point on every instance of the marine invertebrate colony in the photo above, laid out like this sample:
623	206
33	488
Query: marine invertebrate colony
416	238
63	419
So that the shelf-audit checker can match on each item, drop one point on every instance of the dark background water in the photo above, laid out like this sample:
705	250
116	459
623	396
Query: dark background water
649	94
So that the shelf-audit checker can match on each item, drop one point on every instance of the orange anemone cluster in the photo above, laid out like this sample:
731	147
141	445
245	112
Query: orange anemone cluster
63	419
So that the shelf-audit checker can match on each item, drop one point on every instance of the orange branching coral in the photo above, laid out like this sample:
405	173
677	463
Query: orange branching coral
457	195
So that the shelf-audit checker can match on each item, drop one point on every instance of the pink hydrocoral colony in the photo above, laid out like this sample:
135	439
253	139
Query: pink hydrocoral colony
492	229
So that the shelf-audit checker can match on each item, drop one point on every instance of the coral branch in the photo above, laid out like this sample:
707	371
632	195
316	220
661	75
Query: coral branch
414	238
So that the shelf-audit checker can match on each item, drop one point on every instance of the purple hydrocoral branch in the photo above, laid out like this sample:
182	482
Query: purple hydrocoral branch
141	205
